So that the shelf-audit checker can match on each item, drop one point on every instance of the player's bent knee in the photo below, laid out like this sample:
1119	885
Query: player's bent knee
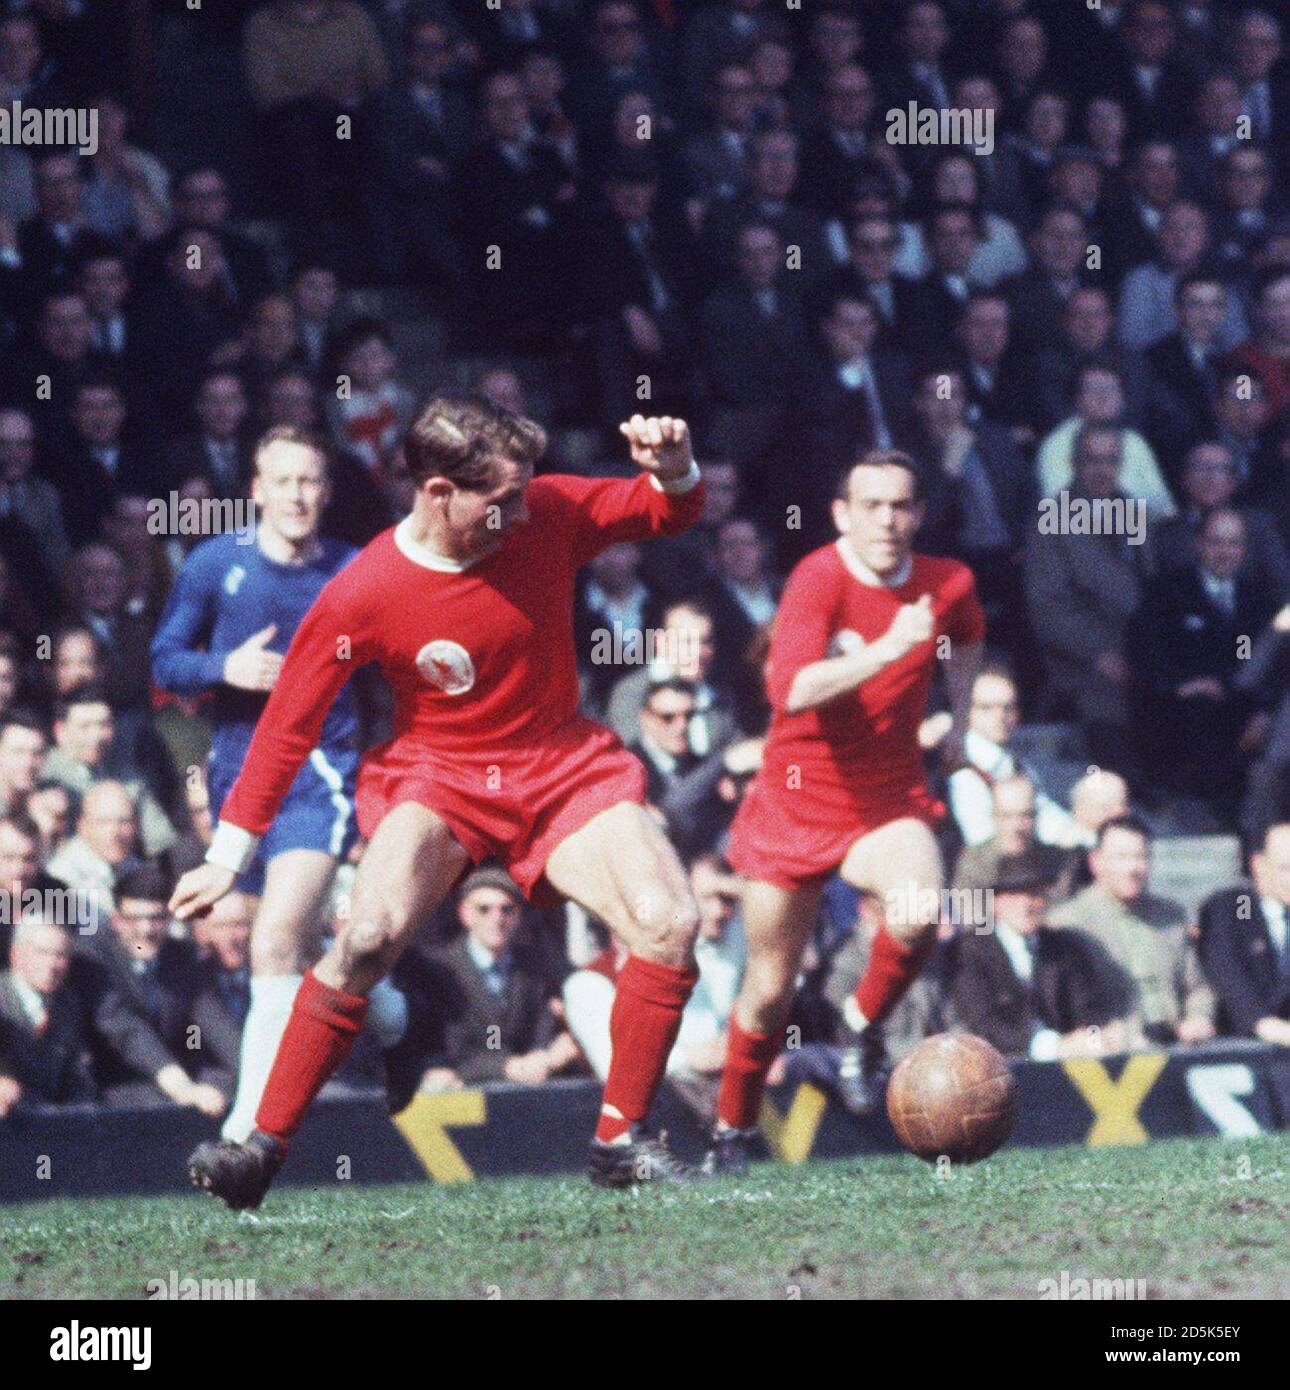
665	926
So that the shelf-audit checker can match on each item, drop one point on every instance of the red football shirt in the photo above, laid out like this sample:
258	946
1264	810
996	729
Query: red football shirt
479	659
860	750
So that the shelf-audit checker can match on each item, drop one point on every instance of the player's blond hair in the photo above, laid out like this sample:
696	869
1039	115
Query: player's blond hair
460	437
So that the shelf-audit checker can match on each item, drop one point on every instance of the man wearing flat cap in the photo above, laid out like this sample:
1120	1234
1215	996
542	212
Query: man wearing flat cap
1029	990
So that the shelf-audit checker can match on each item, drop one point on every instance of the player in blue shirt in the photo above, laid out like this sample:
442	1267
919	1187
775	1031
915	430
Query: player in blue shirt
232	613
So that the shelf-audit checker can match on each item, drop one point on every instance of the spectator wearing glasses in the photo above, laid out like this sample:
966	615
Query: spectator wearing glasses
1013	802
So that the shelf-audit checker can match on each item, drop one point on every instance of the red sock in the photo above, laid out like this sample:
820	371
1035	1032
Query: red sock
892	968
743	1078
320	1032
642	1028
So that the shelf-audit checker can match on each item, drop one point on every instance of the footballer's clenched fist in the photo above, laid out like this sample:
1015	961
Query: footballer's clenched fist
660	445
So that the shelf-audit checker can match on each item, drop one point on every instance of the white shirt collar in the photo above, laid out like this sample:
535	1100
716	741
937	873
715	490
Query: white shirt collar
859	570
34	1004
422	554
481	955
1018	950
987	755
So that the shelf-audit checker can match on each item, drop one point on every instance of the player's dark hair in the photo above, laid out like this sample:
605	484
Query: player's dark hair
87	693
460	436
1135	825
147	883
880	458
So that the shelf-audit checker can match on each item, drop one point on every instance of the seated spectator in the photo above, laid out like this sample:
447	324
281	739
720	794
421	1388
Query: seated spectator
84	727
1147	296
1013	815
1209	481
1185	361
44	1021
743	593
1025	987
158	976
270	344
1196	729
993	717
1245	946
1081	592
127	191
104	847
22	751
1147	964
53	810
677	779
688	651
315	296
1243	215
1245	425
104	458
25	497
218	451
21	874
715	158
613	618
719	953
223	936
1099	403
494	992
202	199
1097	797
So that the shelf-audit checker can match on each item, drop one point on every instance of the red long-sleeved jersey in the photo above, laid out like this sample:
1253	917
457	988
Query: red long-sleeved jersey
479	659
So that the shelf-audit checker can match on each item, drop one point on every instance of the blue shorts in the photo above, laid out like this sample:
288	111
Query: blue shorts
318	812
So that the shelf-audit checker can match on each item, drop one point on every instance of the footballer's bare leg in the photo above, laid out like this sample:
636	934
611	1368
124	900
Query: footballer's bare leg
621	868
286	937
407	869
777	925
900	863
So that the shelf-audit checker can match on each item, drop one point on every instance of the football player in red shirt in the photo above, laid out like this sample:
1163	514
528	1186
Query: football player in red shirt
841	788
467	605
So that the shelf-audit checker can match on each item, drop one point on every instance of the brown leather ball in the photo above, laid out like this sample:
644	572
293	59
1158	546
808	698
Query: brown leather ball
952	1096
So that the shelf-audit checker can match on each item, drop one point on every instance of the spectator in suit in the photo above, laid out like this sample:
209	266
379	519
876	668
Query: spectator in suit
636	288
1185	362
1147	961
723	34
315	296
105	845
97	582
952	231
1150	79
202	199
1245	425
872	244
183	317
1208	481
44	1021
84	726
855	399
1196	729
21	874
1147	295
22	751
1244	211
1013	814
218	451
514	192
752	335
1029	153
1040	294
158	977
28	72
103	278
919	72
994	715
419	128
53	810
977	490
613	616
619	59
26	497
715	158
1082	590
63	353
1245	947
839	148
1099	404
994	372
1135	206
663	744
1216	109
687	650
127	192
103	459
1029	989
1256	52
489	978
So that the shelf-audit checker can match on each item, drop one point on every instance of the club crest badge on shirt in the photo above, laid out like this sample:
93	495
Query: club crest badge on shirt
447	665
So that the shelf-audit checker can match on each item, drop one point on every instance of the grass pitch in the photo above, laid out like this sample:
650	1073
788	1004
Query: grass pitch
1193	1218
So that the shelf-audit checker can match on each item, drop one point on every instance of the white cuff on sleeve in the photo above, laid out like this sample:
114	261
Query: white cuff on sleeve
1045	1045
231	847
684	483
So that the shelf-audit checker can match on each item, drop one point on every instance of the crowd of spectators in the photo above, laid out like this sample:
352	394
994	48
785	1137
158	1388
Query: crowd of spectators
603	207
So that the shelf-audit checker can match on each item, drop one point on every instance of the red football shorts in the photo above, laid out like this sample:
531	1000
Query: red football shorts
791	839
514	805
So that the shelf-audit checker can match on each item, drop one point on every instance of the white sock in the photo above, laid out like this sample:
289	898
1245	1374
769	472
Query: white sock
854	1019
271	999
387	1013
